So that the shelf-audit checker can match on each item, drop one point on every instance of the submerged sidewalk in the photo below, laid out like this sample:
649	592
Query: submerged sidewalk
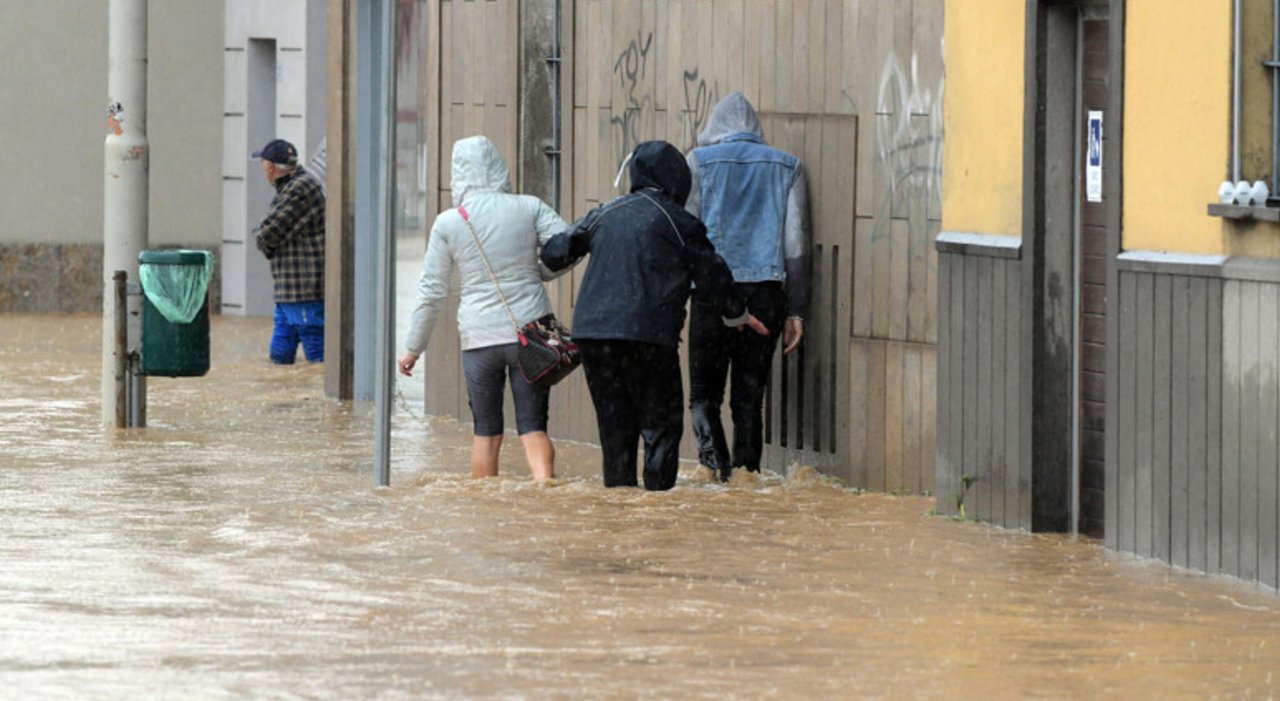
237	549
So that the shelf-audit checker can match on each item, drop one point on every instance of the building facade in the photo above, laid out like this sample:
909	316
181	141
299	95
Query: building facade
1108	326
55	90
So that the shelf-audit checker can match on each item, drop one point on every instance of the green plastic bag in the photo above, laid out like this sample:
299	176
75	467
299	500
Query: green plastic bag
176	282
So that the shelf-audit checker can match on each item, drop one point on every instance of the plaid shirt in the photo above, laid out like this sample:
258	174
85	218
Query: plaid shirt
291	236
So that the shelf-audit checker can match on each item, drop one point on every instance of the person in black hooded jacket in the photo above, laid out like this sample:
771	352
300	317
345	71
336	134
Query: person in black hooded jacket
646	253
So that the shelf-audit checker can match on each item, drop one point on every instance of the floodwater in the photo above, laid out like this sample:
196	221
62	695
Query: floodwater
236	549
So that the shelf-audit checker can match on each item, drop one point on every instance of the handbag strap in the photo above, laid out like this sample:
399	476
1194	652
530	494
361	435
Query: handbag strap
467	220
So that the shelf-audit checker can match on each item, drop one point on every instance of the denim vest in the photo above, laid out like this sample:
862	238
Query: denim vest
744	187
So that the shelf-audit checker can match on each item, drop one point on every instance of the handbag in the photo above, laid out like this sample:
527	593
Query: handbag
547	353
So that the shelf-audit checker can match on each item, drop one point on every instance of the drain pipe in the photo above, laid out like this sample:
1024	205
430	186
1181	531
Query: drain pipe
126	173
555	151
1274	65
1235	96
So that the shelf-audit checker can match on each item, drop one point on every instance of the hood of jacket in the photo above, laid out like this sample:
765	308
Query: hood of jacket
659	165
477	167
733	115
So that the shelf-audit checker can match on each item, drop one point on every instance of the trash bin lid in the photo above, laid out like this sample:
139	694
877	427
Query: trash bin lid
174	257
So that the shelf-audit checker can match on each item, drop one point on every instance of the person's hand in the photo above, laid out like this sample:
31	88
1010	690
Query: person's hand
792	334
406	363
755	325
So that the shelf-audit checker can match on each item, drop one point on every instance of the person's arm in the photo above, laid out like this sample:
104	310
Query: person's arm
286	218
568	247
548	224
693	205
433	286
797	249
712	276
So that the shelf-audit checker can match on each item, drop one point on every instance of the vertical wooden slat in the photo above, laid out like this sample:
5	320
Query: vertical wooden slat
863	274
752	25
972	310
869	62
931	285
1179	422
958	302
1160	434
1232	409
834	83
1145	406
1216	412
944	457
1126	411
1197	397
982	467
1014	516
929	417
816	56
893	416
912	430
876	424
999	371
1250	427
800	47
859	399
1269	452
783	37
917	252
899	277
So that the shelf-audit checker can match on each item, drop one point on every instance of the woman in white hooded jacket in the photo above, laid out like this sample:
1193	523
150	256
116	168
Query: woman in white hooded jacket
511	228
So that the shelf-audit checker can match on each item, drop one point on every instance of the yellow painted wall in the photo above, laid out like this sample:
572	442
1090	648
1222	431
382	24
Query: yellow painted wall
982	149
1177	131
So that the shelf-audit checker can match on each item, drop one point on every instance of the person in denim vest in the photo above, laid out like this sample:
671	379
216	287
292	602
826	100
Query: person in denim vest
753	200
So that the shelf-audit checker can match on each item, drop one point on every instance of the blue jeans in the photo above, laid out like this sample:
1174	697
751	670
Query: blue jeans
298	322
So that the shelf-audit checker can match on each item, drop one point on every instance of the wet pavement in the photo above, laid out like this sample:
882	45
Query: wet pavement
236	549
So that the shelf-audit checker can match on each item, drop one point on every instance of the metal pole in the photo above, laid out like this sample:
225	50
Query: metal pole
126	171
119	312
556	60
384	353
1275	101
1237	38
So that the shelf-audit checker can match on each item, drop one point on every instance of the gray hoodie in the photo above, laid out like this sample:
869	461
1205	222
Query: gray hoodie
754	201
510	227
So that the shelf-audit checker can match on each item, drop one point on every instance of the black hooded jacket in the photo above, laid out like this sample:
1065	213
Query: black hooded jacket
645	251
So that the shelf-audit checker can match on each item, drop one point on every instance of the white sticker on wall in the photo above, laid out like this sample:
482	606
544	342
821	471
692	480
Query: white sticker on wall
1093	159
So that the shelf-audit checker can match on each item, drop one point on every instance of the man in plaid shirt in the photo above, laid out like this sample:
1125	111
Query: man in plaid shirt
291	236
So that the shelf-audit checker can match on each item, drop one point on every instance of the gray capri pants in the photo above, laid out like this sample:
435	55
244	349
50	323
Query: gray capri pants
487	370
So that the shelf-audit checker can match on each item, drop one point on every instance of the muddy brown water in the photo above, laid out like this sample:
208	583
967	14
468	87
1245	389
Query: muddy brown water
236	549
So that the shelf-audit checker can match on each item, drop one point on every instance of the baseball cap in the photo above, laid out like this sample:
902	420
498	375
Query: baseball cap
278	151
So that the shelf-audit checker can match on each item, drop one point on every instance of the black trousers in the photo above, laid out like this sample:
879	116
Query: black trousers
637	392
718	352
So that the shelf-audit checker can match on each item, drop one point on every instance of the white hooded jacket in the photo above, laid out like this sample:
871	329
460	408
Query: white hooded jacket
511	228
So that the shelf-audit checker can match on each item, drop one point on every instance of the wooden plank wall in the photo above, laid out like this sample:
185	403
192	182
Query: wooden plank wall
854	88
978	394
477	93
1194	483
834	84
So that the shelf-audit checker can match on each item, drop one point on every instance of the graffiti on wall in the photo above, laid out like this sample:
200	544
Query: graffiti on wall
908	140
635	105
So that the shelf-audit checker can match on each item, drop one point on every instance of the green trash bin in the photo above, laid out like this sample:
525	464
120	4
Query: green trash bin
175	312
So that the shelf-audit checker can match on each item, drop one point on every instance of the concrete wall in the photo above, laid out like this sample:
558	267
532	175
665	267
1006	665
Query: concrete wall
274	88
55	89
